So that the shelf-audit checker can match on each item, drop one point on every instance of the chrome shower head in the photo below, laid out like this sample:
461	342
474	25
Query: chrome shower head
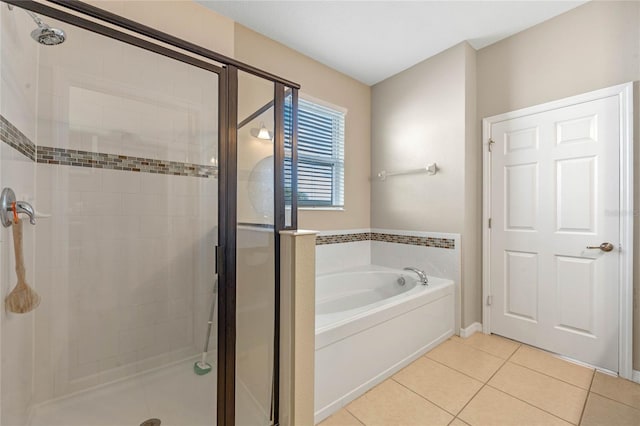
48	36
44	34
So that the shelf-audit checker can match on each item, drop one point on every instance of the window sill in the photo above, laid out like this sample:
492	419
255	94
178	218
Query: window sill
336	209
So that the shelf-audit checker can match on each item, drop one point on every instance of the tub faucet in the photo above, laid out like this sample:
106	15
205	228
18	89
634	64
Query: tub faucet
423	277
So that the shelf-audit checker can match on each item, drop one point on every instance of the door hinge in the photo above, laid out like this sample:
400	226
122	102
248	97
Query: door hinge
491	142
219	259
489	300
489	223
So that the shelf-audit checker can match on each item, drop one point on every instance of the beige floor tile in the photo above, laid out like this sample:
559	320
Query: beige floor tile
456	338
341	418
552	395
495	345
548	364
458	422
495	408
441	385
390	403
466	359
618	389
601	411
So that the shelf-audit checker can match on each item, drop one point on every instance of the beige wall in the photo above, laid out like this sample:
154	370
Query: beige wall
593	46
324	83
418	117
426	114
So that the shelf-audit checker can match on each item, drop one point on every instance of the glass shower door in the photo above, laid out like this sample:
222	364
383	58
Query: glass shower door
255	253
116	147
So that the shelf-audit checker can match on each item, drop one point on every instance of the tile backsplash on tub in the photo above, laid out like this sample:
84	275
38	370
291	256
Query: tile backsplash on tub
337	257
389	236
438	254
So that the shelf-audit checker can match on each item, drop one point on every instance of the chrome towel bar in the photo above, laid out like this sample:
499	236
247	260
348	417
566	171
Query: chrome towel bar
430	169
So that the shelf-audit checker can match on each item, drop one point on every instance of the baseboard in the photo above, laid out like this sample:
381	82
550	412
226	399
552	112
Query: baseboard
473	328
635	376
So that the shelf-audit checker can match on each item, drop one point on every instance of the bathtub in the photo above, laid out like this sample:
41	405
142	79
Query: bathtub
369	325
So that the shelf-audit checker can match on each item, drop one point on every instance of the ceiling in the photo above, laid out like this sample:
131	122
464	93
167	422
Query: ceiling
373	40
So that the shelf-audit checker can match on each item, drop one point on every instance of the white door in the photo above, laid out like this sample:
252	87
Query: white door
555	179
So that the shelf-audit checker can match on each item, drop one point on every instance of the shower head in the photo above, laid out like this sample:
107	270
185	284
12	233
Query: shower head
44	34
48	36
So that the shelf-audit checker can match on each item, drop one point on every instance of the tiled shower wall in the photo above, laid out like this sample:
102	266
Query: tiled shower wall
126	170
18	99
125	180
125	263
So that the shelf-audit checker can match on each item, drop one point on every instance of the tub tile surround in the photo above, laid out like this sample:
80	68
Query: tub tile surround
438	254
400	249
514	385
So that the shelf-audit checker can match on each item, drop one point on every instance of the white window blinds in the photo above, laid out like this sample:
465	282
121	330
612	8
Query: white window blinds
320	155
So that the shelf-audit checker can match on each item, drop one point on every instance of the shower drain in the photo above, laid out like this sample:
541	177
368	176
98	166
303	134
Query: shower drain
151	422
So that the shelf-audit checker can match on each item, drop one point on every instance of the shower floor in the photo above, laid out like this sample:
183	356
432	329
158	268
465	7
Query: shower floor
175	395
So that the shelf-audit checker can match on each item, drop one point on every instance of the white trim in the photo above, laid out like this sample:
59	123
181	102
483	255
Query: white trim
471	330
322	209
635	376
298	232
486	232
323	103
625	94
625	364
344	231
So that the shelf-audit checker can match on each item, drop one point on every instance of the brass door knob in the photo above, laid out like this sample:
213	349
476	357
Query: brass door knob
603	247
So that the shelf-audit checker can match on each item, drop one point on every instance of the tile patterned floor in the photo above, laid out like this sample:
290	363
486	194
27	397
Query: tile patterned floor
492	381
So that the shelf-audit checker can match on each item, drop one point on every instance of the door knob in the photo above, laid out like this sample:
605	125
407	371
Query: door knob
603	247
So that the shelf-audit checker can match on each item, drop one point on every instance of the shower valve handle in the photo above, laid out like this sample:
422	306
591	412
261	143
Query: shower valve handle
7	204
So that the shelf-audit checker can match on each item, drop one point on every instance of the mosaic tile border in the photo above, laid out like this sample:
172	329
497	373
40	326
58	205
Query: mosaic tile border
343	238
13	137
445	243
100	160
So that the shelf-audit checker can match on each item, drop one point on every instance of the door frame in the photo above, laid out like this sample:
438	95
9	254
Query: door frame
624	93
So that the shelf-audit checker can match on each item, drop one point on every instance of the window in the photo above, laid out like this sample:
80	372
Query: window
320	155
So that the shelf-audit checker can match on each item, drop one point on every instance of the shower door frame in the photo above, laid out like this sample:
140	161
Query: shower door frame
91	18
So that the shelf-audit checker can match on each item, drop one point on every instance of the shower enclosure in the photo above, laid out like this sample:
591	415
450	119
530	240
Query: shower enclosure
156	169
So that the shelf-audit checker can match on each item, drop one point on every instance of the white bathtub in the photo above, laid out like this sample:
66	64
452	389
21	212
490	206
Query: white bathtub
368	327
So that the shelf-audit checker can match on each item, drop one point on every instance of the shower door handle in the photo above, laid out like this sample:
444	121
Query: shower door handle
219	259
